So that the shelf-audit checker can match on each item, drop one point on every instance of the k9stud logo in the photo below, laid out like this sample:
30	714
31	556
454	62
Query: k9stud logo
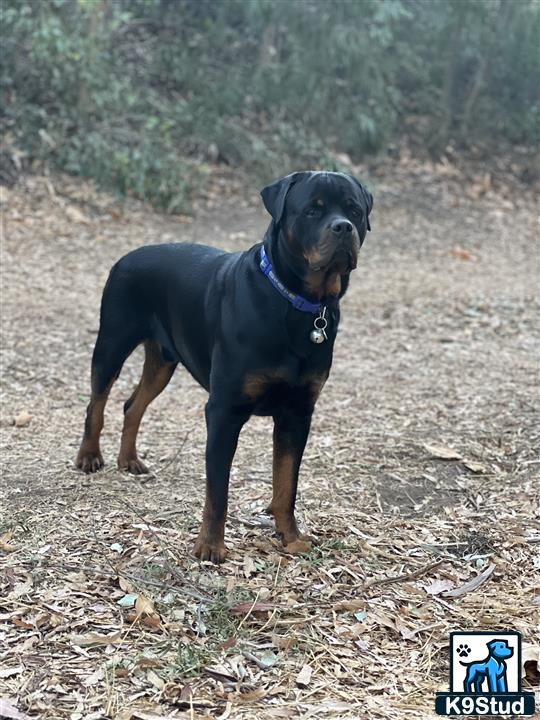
485	676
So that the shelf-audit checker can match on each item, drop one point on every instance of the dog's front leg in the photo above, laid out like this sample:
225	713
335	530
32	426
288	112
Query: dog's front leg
291	431
223	428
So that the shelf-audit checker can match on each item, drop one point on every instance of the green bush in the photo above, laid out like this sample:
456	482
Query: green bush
138	94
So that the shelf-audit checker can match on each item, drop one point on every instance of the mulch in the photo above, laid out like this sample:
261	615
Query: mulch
420	482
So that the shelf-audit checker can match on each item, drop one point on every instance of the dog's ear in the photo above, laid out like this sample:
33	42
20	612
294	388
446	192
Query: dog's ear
368	199
274	195
369	204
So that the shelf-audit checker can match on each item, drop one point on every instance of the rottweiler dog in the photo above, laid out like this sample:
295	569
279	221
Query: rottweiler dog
256	329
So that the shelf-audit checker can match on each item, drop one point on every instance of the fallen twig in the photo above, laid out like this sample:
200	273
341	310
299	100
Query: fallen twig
403	576
201	594
471	585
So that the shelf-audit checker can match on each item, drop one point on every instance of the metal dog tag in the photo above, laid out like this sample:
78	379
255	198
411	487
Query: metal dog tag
318	334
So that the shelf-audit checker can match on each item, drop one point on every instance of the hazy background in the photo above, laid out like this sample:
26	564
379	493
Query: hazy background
142	95
420	477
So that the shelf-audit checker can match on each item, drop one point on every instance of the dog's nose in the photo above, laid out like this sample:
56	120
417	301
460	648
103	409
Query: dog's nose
341	227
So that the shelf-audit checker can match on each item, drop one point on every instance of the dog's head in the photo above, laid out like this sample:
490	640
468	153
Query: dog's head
499	649
322	219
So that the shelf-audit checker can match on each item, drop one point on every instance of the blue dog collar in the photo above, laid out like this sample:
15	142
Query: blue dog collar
297	301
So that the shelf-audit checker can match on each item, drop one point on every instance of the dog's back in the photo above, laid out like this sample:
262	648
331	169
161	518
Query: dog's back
162	289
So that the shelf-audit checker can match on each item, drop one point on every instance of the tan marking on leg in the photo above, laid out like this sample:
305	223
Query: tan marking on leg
302	545
155	377
282	507
89	458
282	479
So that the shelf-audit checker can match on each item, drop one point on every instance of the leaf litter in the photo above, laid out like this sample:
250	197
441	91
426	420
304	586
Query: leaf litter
420	480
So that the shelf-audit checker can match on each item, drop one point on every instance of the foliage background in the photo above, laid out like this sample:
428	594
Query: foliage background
142	94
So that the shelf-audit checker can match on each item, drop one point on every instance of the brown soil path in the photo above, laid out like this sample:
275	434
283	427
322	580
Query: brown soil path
439	347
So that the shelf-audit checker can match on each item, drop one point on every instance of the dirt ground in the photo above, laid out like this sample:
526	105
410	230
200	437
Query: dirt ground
420	481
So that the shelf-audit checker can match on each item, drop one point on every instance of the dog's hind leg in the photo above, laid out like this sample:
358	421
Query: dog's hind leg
116	341
155	377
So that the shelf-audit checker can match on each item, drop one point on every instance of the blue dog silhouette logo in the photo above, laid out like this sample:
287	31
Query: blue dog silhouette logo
485	676
491	670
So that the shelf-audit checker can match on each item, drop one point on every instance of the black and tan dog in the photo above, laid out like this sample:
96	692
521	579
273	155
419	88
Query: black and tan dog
256	329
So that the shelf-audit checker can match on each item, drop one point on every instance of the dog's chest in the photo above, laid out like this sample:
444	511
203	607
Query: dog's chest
273	391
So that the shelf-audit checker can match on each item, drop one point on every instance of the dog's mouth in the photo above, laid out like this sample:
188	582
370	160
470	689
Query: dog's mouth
348	258
343	261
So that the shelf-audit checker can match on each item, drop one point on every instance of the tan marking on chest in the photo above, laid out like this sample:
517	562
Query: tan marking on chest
316	384
256	384
321	285
333	284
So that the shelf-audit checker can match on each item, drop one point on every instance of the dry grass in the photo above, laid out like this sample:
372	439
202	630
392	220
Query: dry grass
103	610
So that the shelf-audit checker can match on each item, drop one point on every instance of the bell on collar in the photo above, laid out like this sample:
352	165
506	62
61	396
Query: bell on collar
317	336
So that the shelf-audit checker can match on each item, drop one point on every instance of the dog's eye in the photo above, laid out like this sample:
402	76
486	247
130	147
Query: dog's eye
354	210
313	211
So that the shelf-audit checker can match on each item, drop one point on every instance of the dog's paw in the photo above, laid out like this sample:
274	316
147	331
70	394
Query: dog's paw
301	545
89	462
133	466
463	650
214	552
